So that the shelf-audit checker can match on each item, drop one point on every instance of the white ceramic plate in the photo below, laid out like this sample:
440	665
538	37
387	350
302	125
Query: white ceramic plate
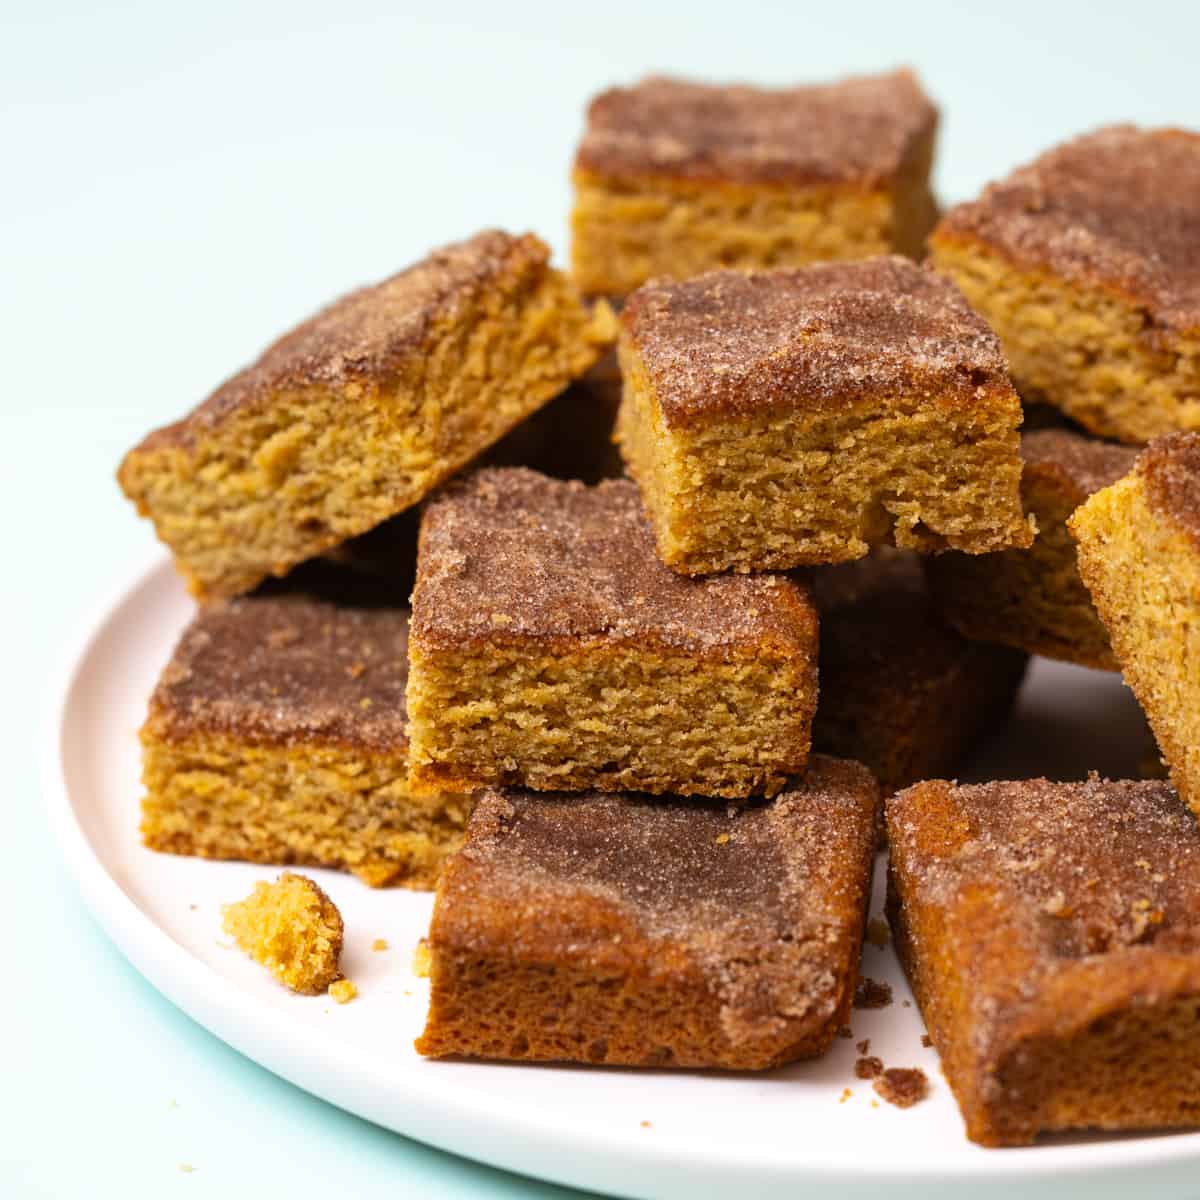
643	1133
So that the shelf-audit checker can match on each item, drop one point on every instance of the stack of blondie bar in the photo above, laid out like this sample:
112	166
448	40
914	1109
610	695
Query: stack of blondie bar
634	653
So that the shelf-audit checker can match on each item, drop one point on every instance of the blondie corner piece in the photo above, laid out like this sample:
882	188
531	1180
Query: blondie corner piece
676	178
1051	933
625	930
359	412
783	418
1085	263
551	649
900	690
1034	599
276	735
1139	554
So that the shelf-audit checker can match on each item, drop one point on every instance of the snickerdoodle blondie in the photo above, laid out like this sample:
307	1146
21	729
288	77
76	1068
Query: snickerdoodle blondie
360	411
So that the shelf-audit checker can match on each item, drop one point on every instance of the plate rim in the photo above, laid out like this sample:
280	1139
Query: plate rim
434	1113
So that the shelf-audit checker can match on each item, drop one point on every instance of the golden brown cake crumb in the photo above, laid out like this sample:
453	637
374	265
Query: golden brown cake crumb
379	944
277	734
551	649
605	928
782	418
421	959
902	1086
846	1094
926	1040
1033	599
1139	554
863	1047
362	410
676	177
343	991
868	1067
1059	978
1086	263
872	993
878	933
292	928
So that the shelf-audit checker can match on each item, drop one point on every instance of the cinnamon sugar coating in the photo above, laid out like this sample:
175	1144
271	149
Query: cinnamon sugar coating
1117	207
812	339
1080	463
857	131
368	335
1051	932
1170	469
287	667
508	554
625	930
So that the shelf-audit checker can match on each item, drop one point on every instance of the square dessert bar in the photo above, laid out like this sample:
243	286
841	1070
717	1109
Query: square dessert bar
1051	933
1087	264
900	690
550	649
276	735
626	930
1034	599
676	178
360	411
782	418
1139	554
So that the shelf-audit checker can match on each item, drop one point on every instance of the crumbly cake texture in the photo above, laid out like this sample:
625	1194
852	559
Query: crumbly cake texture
899	689
1087	264
631	931
292	928
1034	599
1050	932
1139	554
782	418
276	734
550	649
677	178
362	410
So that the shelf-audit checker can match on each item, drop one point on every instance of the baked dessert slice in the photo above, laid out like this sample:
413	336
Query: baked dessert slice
626	930
550	649
1051	933
790	417
276	734
899	689
677	178
1085	262
360	411
292	928
1139	554
1034	599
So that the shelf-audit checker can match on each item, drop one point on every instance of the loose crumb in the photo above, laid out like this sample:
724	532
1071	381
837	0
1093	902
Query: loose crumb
878	932
874	1103
844	1031
863	1047
343	990
846	1094
906	1003
902	1086
379	944
868	1067
926	1040
645	1124
872	993
186	1168
292	928
421	959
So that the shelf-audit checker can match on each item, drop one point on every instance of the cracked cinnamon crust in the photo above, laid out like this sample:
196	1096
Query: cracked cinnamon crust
1034	599
674	178
782	418
551	649
293	929
1139	555
625	930
360	411
901	691
1086	262
276	734
1051	933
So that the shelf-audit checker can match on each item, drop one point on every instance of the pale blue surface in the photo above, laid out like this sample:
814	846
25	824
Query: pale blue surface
175	188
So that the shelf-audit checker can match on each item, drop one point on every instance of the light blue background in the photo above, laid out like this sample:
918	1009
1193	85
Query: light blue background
177	185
